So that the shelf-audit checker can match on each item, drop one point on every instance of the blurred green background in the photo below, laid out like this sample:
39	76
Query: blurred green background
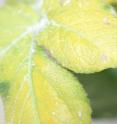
102	92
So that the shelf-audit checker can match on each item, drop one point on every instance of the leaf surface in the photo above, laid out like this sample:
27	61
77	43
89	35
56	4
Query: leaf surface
34	89
82	34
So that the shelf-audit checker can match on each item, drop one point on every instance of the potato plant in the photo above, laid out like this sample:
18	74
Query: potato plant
41	43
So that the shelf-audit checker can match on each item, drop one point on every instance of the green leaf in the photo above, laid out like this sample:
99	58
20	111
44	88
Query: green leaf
34	89
82	34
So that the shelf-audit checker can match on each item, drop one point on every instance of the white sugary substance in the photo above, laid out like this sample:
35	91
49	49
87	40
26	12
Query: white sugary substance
2	116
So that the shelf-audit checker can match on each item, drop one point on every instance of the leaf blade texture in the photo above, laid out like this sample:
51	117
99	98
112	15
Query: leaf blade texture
34	89
87	29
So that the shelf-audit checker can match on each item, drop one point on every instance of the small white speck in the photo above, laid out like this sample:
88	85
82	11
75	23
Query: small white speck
106	20
52	52
104	57
80	114
33	51
53	113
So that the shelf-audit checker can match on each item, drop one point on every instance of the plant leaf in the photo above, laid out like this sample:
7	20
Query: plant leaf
34	89
82	34
20	1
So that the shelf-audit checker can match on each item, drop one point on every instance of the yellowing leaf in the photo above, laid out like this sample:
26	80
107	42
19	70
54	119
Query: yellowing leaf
19	1
82	34
34	89
55	87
